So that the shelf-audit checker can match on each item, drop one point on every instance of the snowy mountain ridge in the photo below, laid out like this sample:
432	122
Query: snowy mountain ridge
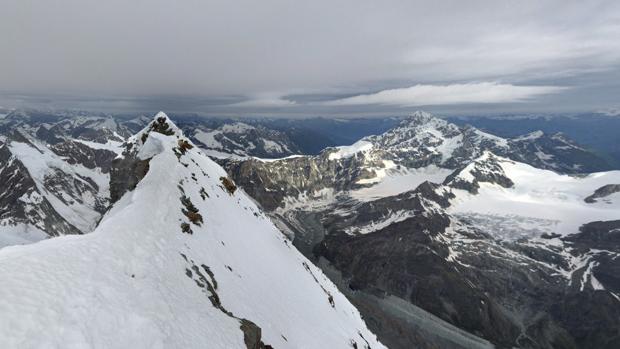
182	260
508	239
423	139
241	140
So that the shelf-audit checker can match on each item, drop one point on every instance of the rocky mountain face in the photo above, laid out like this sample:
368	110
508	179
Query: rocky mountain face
241	140
420	142
181	259
446	236
55	174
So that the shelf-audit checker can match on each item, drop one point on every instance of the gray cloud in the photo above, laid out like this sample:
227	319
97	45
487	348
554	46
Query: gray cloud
255	55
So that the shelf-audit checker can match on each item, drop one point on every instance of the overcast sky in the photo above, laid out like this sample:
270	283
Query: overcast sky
311	57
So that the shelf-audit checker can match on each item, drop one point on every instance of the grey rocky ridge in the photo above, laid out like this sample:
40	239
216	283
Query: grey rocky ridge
384	218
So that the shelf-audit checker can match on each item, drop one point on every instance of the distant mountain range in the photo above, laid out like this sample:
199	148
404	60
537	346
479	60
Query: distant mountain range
595	131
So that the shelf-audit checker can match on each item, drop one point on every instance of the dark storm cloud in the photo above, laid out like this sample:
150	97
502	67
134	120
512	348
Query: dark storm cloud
293	56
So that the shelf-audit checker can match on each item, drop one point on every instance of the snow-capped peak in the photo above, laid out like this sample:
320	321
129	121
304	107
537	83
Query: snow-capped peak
181	260
161	123
421	115
161	114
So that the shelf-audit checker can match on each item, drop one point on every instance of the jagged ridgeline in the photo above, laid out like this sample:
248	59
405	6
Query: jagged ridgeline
182	259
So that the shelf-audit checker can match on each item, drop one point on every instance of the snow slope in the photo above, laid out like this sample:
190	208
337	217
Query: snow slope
540	201
138	281
347	151
17	234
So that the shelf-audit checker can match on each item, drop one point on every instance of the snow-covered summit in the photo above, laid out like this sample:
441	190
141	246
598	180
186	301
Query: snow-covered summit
421	116
161	123
184	260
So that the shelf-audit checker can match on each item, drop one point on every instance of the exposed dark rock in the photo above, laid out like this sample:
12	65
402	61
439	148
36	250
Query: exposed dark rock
602	192
228	184
77	153
186	228
252	334
125	174
485	169
190	211
600	235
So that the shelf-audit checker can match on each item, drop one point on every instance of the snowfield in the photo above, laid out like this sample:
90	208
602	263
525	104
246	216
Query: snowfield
541	201
397	181
346	151
19	234
138	281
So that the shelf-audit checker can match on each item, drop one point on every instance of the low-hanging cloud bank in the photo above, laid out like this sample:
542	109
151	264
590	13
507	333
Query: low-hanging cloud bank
419	95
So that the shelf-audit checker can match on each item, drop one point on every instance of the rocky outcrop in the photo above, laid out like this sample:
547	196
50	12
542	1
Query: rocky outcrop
603	192
125	174
484	169
78	153
129	168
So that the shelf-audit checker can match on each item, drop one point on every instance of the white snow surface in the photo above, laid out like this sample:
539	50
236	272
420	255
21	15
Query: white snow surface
397	181
125	284
349	150
19	234
111	145
539	196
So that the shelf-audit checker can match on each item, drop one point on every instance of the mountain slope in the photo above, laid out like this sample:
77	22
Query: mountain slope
50	190
480	252
181	261
420	220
